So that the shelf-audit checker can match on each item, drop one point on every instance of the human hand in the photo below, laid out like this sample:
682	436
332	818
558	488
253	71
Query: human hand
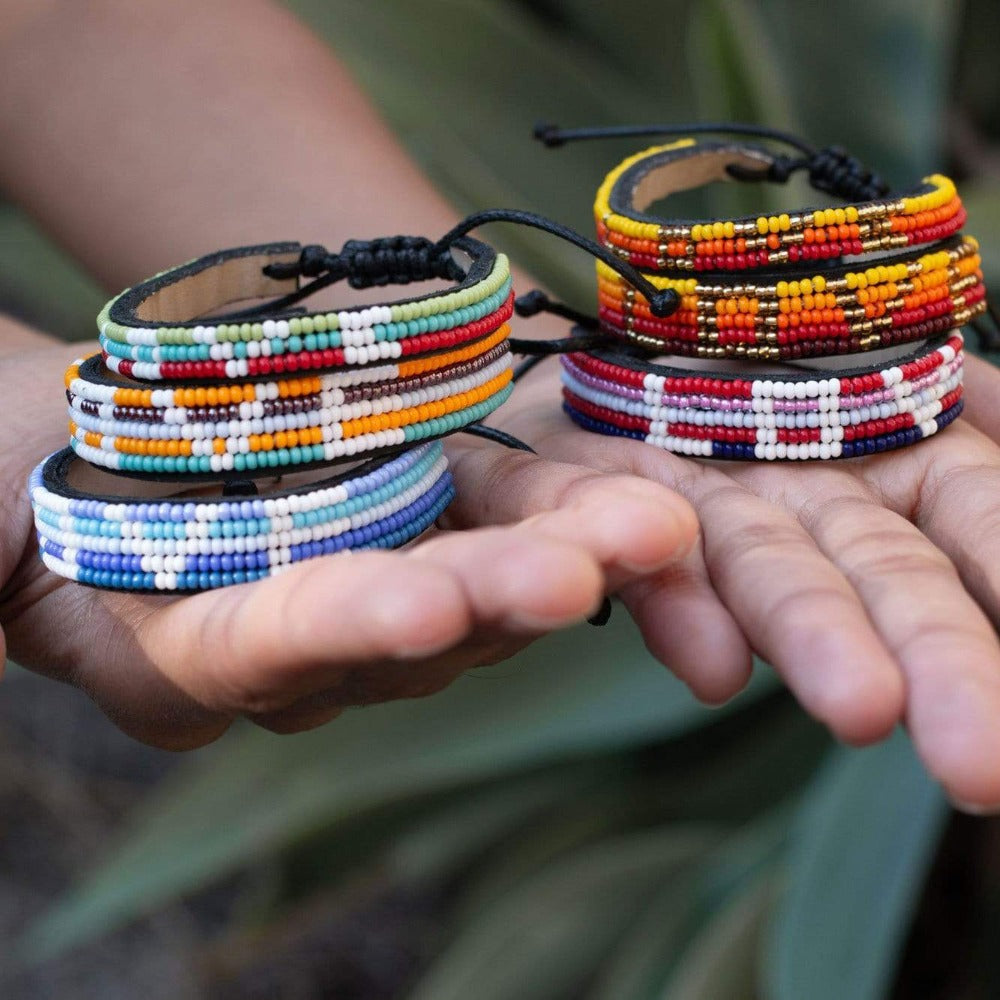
872	585
290	652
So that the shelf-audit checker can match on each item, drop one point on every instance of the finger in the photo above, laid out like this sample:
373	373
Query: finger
629	525
307	713
256	649
982	388
535	578
518	580
955	686
687	628
372	683
632	526
793	606
797	610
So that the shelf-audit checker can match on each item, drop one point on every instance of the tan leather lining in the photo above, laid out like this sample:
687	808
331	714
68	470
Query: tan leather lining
234	280
690	172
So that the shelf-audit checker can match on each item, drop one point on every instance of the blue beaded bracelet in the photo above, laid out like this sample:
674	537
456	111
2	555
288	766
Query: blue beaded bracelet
198	543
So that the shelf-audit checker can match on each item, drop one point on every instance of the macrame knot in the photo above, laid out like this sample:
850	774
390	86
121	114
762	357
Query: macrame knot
783	167
835	171
395	260
398	260
832	170
315	260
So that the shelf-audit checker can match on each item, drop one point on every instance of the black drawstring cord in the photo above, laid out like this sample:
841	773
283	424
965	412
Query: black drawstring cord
603	614
662	302
536	301
396	260
831	169
538	350
402	259
499	437
552	135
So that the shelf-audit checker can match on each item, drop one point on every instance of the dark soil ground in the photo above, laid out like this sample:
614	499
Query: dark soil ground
67	778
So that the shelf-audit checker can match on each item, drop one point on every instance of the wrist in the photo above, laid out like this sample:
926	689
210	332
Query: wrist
31	380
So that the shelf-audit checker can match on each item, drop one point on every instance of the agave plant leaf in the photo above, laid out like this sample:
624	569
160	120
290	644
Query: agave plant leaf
681	914
867	834
890	106
437	846
722	962
549	934
982	201
574	693
731	774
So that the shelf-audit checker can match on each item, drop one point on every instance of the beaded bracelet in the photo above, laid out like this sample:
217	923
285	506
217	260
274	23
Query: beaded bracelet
799	414
878	302
198	543
145	332
927	213
243	427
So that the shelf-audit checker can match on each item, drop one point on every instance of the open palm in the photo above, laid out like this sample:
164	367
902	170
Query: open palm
292	651
872	585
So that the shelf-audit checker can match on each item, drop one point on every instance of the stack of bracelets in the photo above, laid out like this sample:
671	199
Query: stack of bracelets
268	392
771	305
758	313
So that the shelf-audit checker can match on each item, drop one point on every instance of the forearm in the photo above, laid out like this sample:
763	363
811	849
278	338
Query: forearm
31	379
16	338
182	127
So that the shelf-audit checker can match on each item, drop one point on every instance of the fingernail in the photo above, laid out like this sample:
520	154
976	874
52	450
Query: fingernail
976	808
418	652
681	550
525	621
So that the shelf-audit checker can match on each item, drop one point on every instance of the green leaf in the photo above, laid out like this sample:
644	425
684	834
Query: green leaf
732	65
438	846
548	935
41	283
891	114
867	836
730	774
573	693
680	915
982	201
722	962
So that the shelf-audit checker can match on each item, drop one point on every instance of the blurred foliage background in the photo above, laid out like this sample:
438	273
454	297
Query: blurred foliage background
569	824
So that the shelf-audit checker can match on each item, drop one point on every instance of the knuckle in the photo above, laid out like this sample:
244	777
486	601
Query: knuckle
942	487
897	555
793	614
768	541
252	696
